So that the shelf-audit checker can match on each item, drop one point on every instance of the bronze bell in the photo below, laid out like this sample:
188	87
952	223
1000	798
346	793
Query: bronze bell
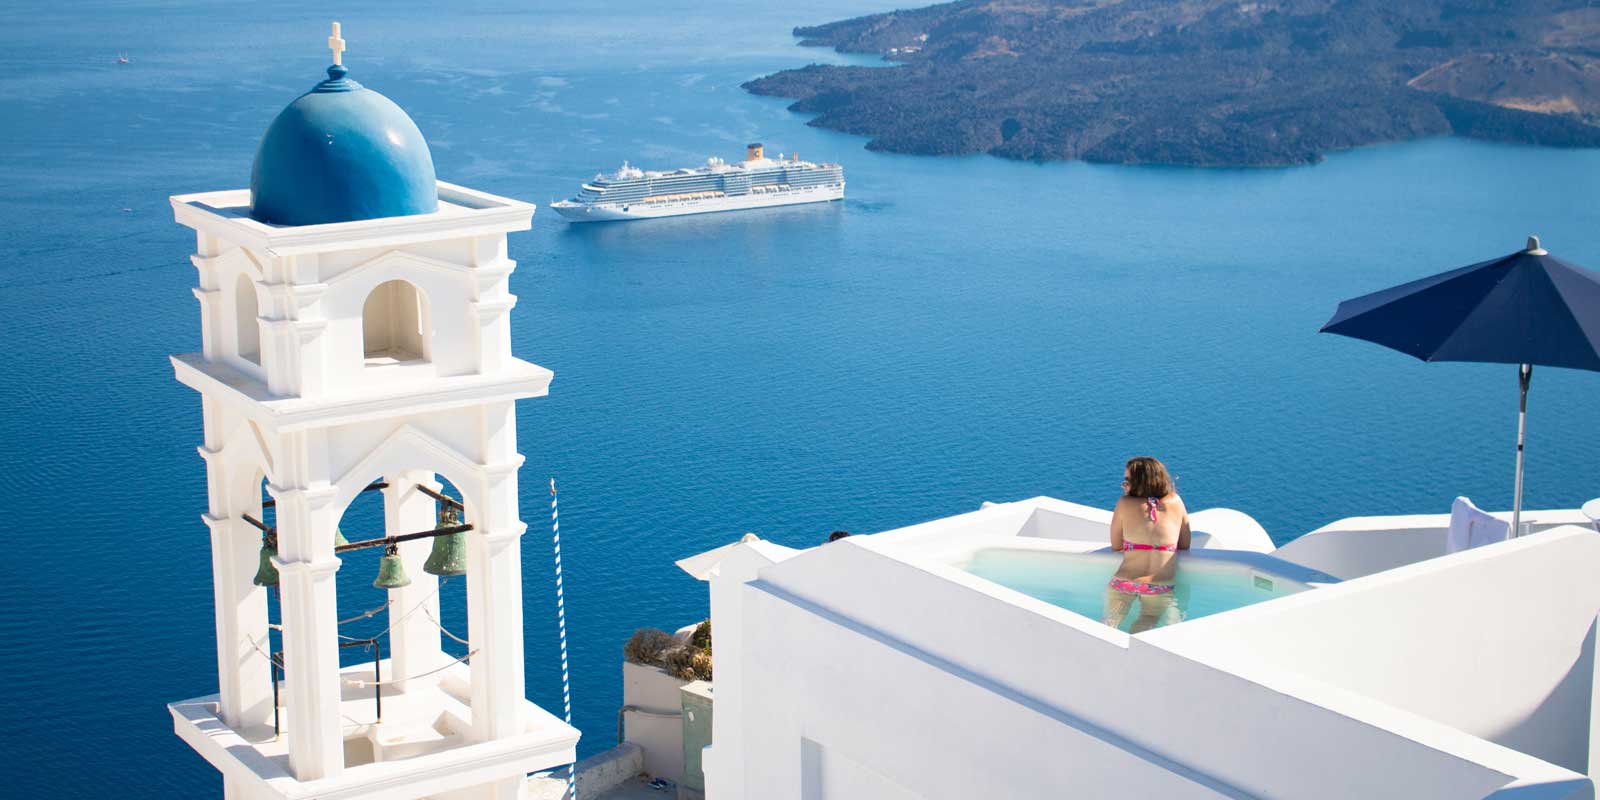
391	570
449	556
267	574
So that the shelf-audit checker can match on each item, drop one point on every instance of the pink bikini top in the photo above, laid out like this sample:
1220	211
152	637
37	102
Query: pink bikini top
1151	505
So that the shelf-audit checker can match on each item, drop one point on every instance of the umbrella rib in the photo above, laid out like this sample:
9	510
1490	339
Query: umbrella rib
1565	309
1460	326
1417	287
1578	273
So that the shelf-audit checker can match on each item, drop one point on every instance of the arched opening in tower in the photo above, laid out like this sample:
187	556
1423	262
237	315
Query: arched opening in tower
246	310
395	327
403	605
401	614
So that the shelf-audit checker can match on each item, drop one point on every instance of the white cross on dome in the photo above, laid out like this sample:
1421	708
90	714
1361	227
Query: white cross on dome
336	44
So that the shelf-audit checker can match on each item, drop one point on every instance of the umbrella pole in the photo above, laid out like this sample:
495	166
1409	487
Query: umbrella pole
1524	376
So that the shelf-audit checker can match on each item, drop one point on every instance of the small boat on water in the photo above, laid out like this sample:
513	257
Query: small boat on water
122	58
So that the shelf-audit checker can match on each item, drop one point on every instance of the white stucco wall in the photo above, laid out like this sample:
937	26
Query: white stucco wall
947	686
723	762
652	718
1487	641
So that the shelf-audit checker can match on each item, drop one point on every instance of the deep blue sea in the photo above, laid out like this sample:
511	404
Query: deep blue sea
958	330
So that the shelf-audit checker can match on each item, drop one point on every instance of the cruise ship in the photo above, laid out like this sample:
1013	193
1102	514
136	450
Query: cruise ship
633	193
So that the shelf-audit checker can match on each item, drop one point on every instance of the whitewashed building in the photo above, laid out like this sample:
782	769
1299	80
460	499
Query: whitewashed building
355	327
923	663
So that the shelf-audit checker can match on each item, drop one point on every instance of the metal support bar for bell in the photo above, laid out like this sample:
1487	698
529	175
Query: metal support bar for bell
277	730
404	537
371	487
379	542
443	498
447	559
377	683
274	657
377	678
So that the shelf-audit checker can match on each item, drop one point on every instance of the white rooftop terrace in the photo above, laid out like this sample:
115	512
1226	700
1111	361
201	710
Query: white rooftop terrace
877	666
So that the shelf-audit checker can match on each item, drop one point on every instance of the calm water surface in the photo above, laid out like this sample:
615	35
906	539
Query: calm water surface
1077	583
958	330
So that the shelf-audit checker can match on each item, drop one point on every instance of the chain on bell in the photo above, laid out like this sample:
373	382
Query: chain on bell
449	555
267	573
391	570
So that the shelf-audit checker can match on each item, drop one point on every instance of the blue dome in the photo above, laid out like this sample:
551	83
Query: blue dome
340	153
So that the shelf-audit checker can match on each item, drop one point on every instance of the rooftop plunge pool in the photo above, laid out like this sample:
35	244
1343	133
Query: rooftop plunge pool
1208	582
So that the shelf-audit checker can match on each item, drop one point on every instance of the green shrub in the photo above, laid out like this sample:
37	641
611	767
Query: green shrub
688	664
702	665
647	646
701	638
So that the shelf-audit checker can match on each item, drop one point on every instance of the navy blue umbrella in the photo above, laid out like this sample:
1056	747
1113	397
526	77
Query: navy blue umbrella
1526	308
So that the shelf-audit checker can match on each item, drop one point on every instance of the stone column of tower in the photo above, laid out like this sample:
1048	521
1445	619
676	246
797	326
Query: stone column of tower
355	317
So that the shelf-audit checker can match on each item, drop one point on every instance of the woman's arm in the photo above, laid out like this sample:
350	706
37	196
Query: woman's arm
1116	527
1183	532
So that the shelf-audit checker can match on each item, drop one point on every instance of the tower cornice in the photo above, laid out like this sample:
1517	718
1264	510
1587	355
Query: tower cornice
462	212
517	380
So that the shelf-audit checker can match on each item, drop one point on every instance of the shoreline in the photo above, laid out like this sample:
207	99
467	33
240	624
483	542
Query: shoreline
965	78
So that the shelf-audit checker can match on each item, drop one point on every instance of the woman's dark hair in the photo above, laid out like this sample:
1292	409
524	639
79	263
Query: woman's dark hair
837	535
1147	477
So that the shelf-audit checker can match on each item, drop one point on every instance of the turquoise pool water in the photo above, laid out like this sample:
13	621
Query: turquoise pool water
1077	581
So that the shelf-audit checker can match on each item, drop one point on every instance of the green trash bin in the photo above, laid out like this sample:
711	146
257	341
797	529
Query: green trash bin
696	732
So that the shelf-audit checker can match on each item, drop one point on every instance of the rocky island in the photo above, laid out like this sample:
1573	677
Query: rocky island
1205	82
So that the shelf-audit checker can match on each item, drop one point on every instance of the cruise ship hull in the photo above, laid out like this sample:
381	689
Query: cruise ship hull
611	212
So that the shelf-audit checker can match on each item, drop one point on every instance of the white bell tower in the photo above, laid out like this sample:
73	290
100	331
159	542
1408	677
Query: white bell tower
355	329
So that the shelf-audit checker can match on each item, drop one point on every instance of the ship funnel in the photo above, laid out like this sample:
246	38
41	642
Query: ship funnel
753	152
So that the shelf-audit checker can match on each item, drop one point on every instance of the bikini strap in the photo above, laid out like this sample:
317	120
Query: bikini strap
1151	505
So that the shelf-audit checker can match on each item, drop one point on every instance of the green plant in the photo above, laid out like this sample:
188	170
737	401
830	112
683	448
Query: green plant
701	638
688	664
679	663
647	646
702	665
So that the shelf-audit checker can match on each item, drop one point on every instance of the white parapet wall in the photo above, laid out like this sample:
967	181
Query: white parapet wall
871	667
1357	546
597	774
1078	527
1494	642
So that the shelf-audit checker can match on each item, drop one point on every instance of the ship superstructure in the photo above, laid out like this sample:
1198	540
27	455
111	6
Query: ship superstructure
758	181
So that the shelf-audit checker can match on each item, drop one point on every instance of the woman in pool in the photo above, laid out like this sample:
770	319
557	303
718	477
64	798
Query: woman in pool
1148	526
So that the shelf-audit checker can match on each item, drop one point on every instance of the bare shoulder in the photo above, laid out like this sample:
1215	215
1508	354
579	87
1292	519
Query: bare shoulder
1175	502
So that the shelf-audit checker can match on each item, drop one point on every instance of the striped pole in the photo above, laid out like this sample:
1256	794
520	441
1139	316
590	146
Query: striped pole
561	622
